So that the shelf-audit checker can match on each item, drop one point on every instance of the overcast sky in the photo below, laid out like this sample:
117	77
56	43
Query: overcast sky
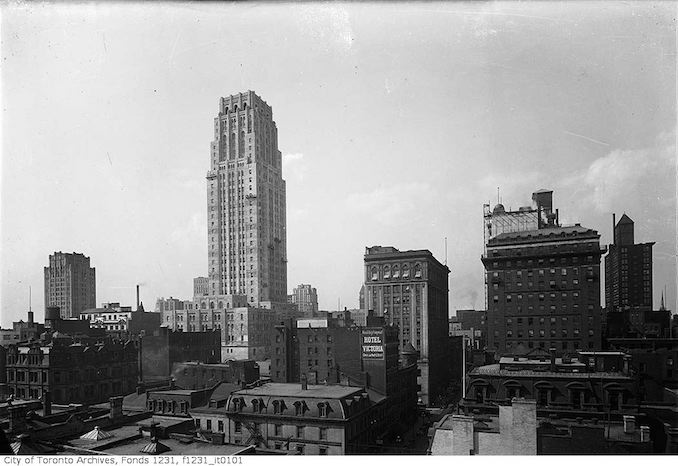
396	123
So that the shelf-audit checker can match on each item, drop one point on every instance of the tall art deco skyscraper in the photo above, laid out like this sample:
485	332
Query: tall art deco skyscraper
247	239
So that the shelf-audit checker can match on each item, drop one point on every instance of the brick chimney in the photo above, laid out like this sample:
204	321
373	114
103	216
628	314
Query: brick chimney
552	351
17	419
116	408
218	438
46	404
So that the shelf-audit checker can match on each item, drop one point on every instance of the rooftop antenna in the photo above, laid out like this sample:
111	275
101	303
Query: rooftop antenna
30	307
446	250
498	201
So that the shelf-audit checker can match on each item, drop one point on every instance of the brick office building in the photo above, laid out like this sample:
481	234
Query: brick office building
70	283
165	347
318	348
543	287
72	371
628	269
410	290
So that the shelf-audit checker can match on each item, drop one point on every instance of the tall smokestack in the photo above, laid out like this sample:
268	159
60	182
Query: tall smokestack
137	297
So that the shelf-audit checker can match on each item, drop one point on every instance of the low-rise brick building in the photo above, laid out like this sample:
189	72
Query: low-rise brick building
72	371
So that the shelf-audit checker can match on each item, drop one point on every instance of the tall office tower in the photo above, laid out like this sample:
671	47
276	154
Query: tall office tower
70	284
306	299
543	286
628	269
410	290
201	286
247	239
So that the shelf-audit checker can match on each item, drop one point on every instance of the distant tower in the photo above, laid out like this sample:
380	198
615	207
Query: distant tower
70	283
628	269
246	220
306	299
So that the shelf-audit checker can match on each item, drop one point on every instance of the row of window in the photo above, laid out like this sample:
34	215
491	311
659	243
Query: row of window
394	271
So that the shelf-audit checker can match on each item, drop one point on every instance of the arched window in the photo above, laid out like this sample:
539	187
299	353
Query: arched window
375	273
203	305
396	271
211	304
220	305
387	271
417	270
406	271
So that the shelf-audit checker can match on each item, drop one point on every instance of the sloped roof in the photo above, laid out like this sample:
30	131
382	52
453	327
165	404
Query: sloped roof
96	434
155	448
625	219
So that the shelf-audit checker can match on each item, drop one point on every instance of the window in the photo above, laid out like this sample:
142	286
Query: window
220	426
237	426
300	449
209	424
300	431
322	451
277	430
323	433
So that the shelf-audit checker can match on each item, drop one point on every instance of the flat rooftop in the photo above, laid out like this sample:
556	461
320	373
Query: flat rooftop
294	390
495	370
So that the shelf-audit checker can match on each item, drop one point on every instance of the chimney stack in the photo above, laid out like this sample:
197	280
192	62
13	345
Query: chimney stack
46	404
116	407
218	438
304	382
17	419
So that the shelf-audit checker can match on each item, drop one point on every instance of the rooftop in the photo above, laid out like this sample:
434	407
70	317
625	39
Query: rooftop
543	234
536	371
295	390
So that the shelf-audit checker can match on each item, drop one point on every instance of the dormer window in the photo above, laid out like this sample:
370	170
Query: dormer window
324	409
279	407
238	404
256	407
300	408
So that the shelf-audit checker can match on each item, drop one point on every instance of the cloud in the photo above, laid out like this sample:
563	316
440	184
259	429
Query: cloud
649	174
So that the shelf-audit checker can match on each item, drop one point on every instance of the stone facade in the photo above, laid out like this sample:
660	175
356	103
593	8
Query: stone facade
70	283
246	203
410	289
